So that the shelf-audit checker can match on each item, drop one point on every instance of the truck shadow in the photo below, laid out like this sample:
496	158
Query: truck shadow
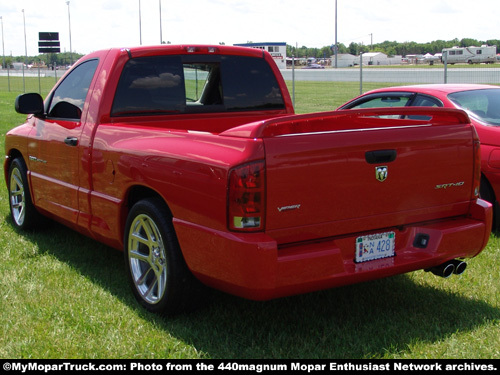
370	320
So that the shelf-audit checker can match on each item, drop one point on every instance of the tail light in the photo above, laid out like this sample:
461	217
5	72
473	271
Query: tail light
477	165
246	197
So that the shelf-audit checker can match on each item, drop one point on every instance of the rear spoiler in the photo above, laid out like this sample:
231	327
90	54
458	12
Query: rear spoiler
349	120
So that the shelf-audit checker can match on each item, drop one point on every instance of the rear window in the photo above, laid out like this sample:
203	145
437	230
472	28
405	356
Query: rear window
483	104
179	84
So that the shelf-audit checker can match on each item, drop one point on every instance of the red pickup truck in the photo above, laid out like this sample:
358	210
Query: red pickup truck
191	160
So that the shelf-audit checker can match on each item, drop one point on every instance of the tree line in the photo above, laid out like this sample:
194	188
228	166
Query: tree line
46	59
389	48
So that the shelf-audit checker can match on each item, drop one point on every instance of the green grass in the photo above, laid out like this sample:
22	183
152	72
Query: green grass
63	295
313	96
30	84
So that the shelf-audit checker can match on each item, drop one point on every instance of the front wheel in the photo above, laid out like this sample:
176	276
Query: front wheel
157	272
22	211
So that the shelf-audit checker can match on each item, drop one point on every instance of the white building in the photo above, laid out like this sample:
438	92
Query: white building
277	51
345	60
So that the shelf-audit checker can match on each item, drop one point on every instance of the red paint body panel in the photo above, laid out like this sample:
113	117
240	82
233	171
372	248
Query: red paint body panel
489	135
320	188
255	267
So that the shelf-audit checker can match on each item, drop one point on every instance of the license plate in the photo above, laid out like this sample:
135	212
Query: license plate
375	246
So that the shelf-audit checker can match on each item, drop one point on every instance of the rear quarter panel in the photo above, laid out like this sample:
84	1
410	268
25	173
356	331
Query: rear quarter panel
187	169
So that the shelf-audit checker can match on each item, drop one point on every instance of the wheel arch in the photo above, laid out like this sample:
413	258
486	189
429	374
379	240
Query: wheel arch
135	194
11	155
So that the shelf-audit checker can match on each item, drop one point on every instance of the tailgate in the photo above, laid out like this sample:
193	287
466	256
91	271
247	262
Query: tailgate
339	173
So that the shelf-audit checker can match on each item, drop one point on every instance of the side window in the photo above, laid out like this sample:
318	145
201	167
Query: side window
386	101
69	97
426	101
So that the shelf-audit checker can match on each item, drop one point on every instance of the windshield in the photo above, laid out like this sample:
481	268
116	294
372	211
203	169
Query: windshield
482	104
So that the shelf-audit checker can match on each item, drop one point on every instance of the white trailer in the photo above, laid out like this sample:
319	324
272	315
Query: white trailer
470	55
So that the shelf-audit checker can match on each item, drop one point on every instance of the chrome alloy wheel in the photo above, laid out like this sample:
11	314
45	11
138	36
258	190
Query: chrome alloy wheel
17	198
147	259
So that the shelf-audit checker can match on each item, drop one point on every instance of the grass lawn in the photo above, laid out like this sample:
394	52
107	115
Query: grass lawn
63	295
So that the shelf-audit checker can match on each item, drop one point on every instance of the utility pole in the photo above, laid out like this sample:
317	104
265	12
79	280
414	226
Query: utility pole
70	47
336	43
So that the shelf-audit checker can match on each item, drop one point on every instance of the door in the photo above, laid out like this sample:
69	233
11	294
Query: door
54	145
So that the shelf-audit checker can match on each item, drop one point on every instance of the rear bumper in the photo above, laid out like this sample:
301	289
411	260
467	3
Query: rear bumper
253	266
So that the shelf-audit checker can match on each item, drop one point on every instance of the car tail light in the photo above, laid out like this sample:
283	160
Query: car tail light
246	197
477	165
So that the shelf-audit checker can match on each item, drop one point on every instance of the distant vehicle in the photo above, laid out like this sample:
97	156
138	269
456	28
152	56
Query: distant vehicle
314	66
481	102
470	55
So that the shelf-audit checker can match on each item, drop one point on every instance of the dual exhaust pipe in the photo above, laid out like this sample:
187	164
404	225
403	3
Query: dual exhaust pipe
449	268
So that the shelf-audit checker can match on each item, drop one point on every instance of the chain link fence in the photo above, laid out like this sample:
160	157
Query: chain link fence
485	74
363	76
346	83
29	80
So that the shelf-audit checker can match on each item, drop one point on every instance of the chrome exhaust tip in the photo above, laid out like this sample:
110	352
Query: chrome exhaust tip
459	265
444	270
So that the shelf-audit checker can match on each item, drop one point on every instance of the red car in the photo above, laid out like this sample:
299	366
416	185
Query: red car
481	102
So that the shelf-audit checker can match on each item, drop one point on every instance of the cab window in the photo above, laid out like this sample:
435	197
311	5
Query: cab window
69	97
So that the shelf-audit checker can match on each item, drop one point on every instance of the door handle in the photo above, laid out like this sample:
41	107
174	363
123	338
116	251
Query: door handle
71	141
380	156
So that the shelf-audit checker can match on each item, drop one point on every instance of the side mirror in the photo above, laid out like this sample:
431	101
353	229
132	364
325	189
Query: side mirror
66	110
29	104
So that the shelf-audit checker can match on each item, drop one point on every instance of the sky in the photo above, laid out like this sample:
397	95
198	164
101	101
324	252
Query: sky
101	24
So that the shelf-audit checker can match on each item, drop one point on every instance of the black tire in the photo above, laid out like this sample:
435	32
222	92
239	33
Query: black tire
486	193
158	275
22	211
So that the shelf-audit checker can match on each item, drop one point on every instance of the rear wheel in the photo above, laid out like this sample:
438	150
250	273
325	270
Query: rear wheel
22	211
486	193
157	272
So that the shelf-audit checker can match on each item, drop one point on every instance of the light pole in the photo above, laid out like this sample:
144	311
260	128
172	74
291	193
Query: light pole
140	25
336	46
3	45
25	44
3	54
70	47
25	51
161	36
